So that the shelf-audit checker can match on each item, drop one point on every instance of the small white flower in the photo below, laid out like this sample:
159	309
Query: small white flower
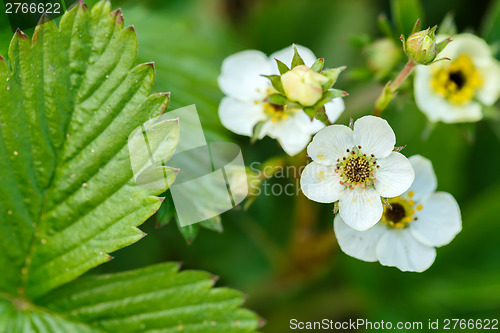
406	236
246	90
356	167
454	91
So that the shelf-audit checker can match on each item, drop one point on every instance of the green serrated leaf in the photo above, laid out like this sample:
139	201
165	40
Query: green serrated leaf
318	65
405	13
70	99
70	140
297	59
182	301
282	67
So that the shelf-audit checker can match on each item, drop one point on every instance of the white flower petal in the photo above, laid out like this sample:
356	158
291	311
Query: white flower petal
320	183
241	75
360	208
425	181
398	248
436	107
334	109
330	144
374	135
439	221
450	113
394	176
306	124
358	244
465	43
286	56
292	139
489	92
240	117
430	103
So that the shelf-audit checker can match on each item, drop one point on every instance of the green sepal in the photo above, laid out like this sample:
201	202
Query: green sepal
318	65
257	129
317	113
403	41
441	45
277	99
297	59
328	96
332	75
310	111
282	67
275	82
417	27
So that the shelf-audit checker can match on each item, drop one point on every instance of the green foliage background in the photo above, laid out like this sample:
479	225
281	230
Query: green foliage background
258	251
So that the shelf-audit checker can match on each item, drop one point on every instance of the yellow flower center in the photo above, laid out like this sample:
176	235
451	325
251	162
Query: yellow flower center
356	168
276	112
457	81
402	212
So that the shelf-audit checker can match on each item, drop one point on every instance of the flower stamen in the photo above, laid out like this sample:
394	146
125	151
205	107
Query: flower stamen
402	212
357	169
457	82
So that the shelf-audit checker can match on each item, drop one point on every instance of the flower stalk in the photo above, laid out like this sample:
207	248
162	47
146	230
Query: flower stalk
391	88
421	47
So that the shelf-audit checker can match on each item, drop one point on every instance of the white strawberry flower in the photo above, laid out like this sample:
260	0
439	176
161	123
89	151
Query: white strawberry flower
245	105
356	167
406	236
456	90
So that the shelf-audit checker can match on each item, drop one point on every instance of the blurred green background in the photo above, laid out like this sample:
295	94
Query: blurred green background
282	252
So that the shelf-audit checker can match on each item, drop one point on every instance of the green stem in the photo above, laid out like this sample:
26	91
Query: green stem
391	88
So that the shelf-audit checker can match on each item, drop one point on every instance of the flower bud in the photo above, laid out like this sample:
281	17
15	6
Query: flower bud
382	56
421	46
303	85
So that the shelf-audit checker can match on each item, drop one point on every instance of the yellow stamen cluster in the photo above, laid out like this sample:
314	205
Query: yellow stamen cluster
457	81
402	212
357	169
276	112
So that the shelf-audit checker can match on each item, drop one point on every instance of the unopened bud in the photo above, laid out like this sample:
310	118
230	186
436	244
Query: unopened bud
383	55
422	47
303	85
